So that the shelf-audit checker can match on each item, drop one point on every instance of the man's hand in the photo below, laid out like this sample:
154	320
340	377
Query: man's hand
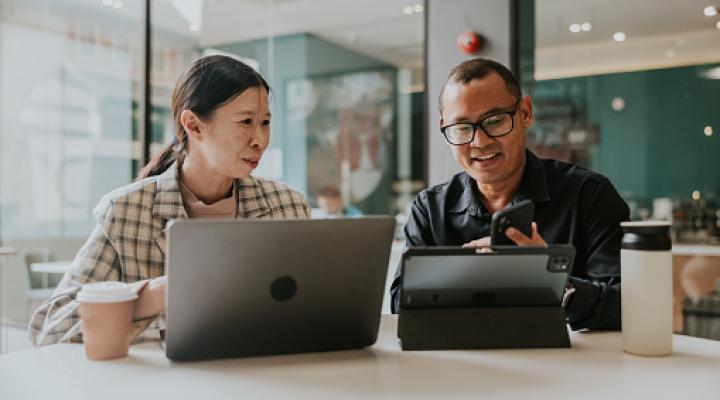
483	244
522	240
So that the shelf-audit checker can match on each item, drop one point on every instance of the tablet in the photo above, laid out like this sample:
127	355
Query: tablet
512	276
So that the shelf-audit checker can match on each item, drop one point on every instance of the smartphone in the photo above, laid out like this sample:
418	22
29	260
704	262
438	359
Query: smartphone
518	216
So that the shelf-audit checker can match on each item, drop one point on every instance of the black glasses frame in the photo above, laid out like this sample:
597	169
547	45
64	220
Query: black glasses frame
479	124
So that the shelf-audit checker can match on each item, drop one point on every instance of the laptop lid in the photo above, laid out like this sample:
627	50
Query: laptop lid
261	287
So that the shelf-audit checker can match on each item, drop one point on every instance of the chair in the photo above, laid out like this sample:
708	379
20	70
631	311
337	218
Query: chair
5	254
702	318
700	280
38	285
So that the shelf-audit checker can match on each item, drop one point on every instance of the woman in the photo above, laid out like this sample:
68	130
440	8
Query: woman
222	123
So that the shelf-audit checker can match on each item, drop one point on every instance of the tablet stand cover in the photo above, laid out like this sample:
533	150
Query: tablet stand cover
424	327
482	328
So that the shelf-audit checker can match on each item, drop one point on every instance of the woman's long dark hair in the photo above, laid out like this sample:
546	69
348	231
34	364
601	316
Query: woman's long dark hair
209	83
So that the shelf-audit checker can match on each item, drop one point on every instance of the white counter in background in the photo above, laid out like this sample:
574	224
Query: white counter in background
696	249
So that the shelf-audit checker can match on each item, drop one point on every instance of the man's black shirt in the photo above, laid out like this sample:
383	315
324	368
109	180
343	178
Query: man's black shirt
572	205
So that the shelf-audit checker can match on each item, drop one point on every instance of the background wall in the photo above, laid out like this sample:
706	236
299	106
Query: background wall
445	20
656	146
303	56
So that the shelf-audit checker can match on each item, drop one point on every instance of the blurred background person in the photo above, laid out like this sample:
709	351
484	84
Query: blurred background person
330	205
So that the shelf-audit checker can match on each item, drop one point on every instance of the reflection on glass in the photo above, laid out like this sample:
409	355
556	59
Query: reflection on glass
70	73
349	130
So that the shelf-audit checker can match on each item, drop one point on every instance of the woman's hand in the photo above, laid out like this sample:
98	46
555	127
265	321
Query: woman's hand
151	299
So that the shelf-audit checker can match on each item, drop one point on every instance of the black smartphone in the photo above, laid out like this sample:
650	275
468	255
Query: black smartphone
518	216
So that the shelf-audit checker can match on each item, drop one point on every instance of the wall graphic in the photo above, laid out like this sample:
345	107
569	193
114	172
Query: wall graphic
348	120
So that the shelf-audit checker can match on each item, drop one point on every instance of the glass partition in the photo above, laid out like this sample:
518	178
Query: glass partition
70	75
344	89
631	90
347	103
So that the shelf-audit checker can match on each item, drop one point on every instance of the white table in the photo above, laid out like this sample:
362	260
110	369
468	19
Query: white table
51	267
395	256
594	368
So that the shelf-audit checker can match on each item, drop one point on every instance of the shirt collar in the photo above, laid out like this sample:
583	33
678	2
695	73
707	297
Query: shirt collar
534	181
466	195
532	186
225	208
252	201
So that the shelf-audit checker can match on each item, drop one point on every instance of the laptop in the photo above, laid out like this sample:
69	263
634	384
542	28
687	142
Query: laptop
241	288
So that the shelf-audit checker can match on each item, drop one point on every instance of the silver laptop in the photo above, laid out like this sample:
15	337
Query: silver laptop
259	287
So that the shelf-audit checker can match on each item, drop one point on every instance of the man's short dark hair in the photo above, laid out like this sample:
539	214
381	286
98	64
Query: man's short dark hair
479	68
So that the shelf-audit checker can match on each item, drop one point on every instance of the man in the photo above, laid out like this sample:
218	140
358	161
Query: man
483	119
330	205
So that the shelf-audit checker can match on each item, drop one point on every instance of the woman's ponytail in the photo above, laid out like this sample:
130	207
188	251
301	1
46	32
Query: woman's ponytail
158	164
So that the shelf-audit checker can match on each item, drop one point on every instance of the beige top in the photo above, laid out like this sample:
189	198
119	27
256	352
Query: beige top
225	208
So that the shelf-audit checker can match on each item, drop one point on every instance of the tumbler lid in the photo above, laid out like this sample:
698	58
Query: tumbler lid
646	235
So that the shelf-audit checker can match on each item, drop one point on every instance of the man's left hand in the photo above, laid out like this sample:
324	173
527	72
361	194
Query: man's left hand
521	240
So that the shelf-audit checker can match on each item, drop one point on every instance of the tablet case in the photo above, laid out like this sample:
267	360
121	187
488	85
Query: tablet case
483	327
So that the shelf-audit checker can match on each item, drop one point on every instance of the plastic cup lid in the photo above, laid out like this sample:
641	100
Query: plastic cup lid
106	292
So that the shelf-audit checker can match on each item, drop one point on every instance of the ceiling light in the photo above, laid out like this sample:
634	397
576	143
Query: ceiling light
670	53
619	37
617	104
418	8
708	130
586	26
710	11
408	10
108	3
711	73
574	28
190	11
696	195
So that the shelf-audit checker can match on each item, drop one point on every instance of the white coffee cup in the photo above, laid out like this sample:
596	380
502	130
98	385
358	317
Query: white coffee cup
106	309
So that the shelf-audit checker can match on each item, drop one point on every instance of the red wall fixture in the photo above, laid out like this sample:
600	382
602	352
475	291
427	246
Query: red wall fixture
470	42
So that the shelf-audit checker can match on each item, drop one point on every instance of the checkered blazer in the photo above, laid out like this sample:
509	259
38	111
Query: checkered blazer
128	244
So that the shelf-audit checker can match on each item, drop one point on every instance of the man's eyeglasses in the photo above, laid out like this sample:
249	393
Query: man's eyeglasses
495	125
